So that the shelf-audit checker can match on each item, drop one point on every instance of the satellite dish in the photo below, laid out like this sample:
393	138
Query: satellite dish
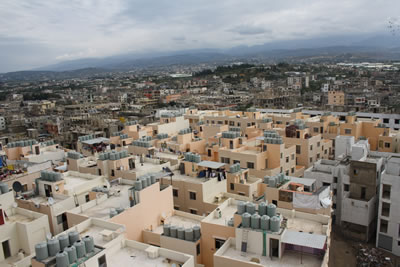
17	186
15	205
50	200
48	236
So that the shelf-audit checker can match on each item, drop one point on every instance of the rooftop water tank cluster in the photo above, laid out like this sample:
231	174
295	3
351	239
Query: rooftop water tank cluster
146	138
201	123
129	123
4	188
116	133
300	124
192	157
116	211
234	129
262	219
272	137
230	135
144	181
171	114
86	137
185	131
23	143
143	142
67	249
74	155
274	181
51	176
162	136
189	234
113	155
123	136
234	168
48	143
101	189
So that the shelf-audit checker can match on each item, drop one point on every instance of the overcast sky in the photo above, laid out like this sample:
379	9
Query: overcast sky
35	33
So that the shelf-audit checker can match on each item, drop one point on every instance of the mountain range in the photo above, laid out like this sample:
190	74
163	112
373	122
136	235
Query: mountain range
362	48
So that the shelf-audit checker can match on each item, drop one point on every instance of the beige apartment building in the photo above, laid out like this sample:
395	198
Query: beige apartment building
20	230
55	193
309	149
336	98
266	155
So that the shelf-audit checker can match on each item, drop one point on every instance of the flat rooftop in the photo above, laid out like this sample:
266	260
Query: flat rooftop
166	155
72	182
43	200
226	214
179	221
95	232
181	177
19	218
288	259
129	256
306	226
119	198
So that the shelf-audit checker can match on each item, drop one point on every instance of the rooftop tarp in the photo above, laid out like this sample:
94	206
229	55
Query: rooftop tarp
211	164
304	239
96	141
304	181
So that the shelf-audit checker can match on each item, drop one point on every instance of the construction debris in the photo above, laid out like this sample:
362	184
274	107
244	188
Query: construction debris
371	257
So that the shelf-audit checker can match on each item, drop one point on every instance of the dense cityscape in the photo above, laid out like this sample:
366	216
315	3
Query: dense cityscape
243	164
199	134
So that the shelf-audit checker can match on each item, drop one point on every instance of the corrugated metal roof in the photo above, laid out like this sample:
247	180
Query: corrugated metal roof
304	239
96	141
304	181
211	164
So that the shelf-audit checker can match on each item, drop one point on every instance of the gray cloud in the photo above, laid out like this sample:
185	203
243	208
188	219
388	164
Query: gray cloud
36	32
250	30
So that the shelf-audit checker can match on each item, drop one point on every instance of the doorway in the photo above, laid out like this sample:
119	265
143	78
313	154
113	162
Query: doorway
274	247
47	190
37	150
6	249
218	243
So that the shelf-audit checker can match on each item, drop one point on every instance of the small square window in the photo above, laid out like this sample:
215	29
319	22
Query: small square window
198	249
346	187
232	186
192	211
347	131
192	195
250	165
175	192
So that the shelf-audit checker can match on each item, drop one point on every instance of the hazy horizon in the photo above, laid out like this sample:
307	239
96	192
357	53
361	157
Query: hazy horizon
35	34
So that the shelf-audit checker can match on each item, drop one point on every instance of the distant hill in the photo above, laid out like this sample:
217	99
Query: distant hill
333	49
51	75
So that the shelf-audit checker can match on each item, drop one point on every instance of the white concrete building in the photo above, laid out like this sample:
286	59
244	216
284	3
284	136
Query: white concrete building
20	230
2	123
333	173
388	230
